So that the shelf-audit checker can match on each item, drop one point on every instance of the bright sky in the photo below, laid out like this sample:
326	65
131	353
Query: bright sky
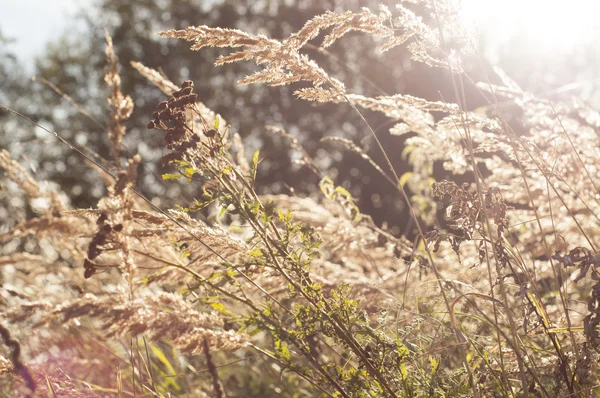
553	25
33	23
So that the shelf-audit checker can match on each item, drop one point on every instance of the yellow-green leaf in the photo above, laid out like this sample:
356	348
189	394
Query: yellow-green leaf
221	308
344	193
406	151
171	176
405	178
327	187
434	364
403	371
165	361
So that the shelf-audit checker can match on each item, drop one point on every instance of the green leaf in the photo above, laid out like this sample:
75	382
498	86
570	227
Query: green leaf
407	151
181	208
217	121
327	187
354	213
221	308
405	178
343	192
434	364
163	359
171	176
284	352
188	172
222	211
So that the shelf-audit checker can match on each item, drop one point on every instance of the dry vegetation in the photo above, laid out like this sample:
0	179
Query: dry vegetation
291	296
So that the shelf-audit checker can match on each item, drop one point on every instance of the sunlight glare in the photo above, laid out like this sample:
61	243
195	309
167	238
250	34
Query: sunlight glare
546	25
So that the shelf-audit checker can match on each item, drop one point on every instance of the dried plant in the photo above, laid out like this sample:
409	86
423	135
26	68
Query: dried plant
500	296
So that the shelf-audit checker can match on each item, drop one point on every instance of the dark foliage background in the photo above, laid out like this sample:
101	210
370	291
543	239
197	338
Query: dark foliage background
75	65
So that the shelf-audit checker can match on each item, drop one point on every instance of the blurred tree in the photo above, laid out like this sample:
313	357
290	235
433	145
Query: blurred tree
12	85
75	64
14	93
8	66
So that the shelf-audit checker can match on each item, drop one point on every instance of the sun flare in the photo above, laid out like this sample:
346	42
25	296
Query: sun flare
546	25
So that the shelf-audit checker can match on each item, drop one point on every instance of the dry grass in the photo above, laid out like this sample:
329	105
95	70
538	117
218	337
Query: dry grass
307	296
